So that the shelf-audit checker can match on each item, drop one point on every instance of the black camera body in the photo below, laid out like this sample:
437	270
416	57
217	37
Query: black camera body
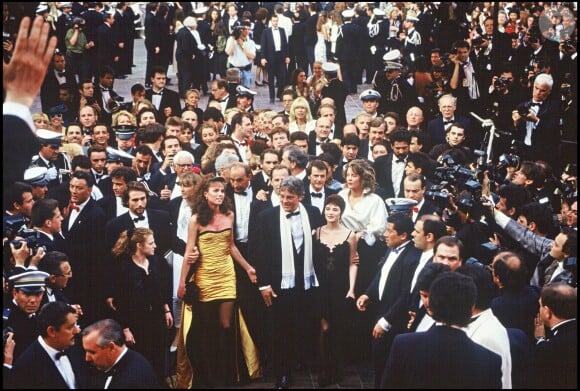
29	236
501	82
524	108
477	41
12	225
439	197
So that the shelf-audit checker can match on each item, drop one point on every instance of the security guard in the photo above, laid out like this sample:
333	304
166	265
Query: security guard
49	156
396	93
36	177
245	99
400	205
370	100
334	89
27	291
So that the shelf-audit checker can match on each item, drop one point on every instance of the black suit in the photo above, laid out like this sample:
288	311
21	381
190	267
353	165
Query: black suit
23	326
396	287
436	131
49	88
107	46
35	369
85	245
442	357
556	360
153	34
258	182
20	144
133	371
307	200
382	167
185	51
158	221
294	320
109	206
428	208
347	45
276	65
336	90
169	98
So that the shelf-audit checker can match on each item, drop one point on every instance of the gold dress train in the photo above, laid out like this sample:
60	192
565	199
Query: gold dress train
216	279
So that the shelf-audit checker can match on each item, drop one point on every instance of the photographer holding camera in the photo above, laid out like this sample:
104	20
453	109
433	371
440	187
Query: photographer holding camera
537	123
76	44
504	96
241	51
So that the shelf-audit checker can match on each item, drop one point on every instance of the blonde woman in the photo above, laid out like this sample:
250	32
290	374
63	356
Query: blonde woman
123	117
323	36
301	117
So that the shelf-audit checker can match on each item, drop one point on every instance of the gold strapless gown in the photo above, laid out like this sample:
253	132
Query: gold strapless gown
216	278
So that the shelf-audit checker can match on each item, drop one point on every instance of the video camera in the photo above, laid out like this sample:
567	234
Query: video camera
501	82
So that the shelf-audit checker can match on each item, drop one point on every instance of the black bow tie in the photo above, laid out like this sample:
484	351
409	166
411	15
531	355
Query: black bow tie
59	355
223	100
157	93
61	74
317	195
321	141
243	193
539	104
400	161
138	218
398	249
288	215
105	89
448	122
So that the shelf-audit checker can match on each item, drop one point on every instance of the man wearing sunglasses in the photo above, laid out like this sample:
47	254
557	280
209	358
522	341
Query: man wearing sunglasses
49	156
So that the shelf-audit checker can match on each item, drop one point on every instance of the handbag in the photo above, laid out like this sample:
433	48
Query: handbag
191	293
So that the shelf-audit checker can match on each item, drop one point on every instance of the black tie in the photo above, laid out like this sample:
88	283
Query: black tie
288	215
447	122
59	355
317	195
400	161
243	193
550	272
398	249
158	93
138	218
222	100
61	74
104	89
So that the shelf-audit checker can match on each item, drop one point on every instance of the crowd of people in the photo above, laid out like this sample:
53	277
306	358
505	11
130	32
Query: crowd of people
433	234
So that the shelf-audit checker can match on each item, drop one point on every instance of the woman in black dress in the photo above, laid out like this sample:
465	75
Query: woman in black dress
142	296
336	264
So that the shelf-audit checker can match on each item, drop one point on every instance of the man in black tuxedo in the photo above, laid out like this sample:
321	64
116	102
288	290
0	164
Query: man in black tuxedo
347	45
414	188
51	361
389	285
186	52
113	204
107	43
56	76
262	180
424	360
123	368
275	56
166	101
287	280
46	220
335	89
315	187
437	127
136	197
390	168
536	119
84	231
153	33
556	358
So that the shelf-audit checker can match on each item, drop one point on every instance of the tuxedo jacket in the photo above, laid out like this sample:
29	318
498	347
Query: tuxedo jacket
266	245
109	206
35	369
428	208
153	32
556	359
107	45
268	50
396	287
133	371
178	245
382	167
230	194
436	130
158	181
158	221
335	89
20	144
185	48
85	245
442	357
307	200
49	88
258	182
169	98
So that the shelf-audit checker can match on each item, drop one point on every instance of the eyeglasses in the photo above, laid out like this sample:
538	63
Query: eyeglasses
186	165
56	115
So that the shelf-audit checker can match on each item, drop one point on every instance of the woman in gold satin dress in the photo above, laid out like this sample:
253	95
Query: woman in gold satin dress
218	345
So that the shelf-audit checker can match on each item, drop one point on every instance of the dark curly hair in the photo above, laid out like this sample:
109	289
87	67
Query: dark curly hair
202	209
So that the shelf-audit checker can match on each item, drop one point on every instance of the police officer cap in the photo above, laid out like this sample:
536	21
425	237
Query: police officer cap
393	55
124	132
348	13
42	8
400	205
378	12
36	176
65	5
32	281
243	91
329	67
370	95
116	155
46	136
200	10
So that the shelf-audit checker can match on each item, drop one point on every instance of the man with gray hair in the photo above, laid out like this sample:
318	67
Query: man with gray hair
296	160
105	349
537	121
286	277
223	163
